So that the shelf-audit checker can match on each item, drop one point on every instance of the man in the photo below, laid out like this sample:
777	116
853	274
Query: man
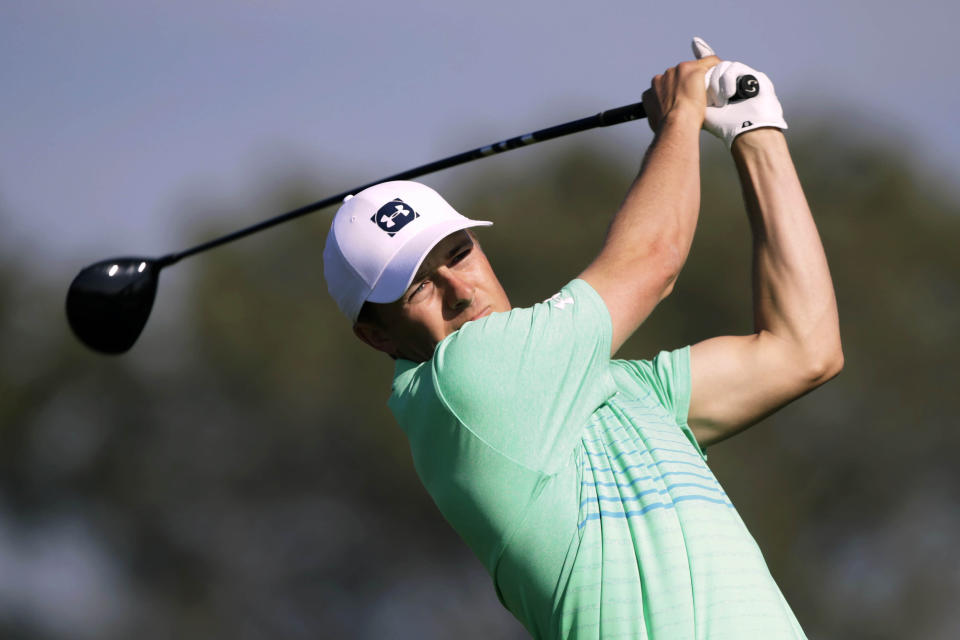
580	481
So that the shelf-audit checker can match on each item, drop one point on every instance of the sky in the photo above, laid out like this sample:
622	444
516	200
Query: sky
118	115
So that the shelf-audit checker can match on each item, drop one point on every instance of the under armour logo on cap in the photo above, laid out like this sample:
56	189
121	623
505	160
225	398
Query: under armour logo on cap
393	216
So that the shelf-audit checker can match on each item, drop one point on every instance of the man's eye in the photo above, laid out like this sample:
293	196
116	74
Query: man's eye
420	288
460	256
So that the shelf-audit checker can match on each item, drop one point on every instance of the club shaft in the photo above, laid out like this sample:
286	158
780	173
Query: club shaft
603	119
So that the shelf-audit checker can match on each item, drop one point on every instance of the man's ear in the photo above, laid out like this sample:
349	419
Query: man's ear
375	336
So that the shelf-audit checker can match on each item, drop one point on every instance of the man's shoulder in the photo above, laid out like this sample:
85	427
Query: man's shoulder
499	337
516	366
411	381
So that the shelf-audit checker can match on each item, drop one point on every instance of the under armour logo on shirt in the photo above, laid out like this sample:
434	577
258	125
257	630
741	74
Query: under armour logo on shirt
559	300
393	216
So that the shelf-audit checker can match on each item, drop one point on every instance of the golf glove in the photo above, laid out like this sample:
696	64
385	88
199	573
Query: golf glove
727	120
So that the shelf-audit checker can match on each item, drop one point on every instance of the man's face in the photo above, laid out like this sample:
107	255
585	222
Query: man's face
455	284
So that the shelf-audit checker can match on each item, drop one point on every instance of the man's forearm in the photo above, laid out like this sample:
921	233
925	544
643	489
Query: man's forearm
661	208
650	235
793	292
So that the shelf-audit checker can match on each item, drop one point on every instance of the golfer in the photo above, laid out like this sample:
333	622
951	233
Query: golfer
578	480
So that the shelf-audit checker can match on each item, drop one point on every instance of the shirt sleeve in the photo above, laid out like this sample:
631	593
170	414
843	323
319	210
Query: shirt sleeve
526	382
668	375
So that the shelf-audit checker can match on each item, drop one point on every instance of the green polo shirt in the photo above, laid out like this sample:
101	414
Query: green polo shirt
576	481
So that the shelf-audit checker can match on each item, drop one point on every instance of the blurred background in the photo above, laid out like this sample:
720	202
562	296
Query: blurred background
237	474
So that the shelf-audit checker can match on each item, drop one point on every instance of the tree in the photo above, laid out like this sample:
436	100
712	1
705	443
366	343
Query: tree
253	484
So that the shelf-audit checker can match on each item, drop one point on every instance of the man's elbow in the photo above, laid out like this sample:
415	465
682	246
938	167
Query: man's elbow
823	365
667	286
651	273
668	262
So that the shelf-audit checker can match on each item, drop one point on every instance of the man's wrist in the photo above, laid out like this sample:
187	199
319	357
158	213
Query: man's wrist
757	140
762	152
689	117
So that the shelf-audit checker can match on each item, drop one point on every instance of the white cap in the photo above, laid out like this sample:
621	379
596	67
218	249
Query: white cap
379	238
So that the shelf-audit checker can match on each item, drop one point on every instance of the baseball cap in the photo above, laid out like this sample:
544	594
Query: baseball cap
379	238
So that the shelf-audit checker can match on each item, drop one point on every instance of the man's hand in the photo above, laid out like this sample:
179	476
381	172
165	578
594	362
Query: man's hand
678	90
726	119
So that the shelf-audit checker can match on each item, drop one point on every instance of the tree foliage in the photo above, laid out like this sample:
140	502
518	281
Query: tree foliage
253	484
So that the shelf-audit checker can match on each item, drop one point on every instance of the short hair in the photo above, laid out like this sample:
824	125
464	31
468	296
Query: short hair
369	314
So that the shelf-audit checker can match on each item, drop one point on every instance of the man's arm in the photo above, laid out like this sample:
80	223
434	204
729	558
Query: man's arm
738	380
650	236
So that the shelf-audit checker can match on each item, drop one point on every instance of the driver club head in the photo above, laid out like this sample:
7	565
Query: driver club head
108	303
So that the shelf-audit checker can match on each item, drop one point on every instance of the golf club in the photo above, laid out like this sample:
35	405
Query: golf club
109	302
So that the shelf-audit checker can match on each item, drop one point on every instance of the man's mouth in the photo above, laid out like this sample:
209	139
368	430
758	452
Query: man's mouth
485	312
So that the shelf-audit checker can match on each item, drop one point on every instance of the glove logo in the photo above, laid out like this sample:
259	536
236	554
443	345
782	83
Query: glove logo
746	123
394	216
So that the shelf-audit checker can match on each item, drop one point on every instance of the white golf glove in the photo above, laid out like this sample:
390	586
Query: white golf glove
727	120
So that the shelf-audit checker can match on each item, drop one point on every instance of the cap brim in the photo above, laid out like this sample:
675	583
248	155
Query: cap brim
402	268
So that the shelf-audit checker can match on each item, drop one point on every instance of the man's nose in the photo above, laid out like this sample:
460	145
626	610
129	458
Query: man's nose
458	292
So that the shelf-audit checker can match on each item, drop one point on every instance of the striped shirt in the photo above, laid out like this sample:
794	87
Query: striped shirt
577	482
